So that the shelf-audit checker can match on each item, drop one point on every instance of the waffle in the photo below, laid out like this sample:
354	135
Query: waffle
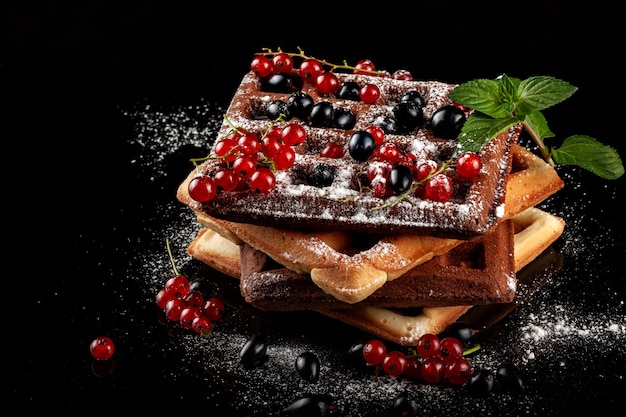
534	231
352	266
346	205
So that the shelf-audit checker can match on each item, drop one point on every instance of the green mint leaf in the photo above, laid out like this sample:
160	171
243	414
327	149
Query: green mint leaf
538	93
508	93
591	155
479	129
481	95
539	124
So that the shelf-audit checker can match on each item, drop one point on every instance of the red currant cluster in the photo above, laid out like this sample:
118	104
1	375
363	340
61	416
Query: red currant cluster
186	305
434	361
249	161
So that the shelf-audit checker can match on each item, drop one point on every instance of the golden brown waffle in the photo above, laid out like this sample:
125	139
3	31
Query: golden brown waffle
345	204
351	267
535	231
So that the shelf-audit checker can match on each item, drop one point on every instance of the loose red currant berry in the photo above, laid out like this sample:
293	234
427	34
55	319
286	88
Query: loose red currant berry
332	150
374	351
364	64
202	189
388	152
213	309
468	165
439	188
369	93
327	83
282	62
394	363
402	75
459	371
377	133
293	134
102	348
262	180
451	349
428	345
261	66
310	69
433	369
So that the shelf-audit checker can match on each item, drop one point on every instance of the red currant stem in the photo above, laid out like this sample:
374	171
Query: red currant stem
537	139
301	54
471	350
169	251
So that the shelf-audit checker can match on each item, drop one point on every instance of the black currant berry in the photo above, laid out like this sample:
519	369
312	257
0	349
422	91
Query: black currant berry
322	114
308	366
481	383
322	176
400	178
414	96
461	331
309	406
253	352
403	406
409	115
281	82
343	118
387	123
361	145
447	122
509	377
349	90
300	105
276	108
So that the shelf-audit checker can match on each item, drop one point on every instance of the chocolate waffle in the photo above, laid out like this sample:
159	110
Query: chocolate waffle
345	205
352	266
535	230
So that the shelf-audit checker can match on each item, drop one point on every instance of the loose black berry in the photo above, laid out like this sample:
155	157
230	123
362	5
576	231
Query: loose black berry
349	90
253	352
322	114
308	366
409	115
414	96
276	108
322	176
300	105
447	122
343	118
481	383
202	285
387	123
509	377
400	178
403	406
281	82
361	145
309	406
461	331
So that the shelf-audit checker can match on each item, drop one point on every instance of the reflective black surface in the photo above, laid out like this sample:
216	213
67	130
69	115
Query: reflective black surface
103	109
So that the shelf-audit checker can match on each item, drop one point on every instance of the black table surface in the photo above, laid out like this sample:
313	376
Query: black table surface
104	108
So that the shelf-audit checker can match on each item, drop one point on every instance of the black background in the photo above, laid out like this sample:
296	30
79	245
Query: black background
72	199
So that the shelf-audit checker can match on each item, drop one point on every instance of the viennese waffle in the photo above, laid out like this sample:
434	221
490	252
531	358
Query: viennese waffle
345	204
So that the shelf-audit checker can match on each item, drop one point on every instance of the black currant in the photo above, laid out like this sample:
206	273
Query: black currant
356	349
308	366
323	175
481	383
300	105
403	406
409	115
509	377
400	178
253	352
414	96
387	123
281	82
276	108
343	118
309	406
322	114
349	90
361	145
447	122
461	331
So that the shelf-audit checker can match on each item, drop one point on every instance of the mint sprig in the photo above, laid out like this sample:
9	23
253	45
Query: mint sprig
506	101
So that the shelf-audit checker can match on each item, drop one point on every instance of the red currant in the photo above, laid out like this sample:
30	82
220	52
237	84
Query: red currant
369	93
226	148
201	325
364	64
202	189
213	309
412	369
102	348
451	349
332	150
402	75
439	188
388	152
178	285
374	351
309	69
293	134
162	297
468	164
285	158
194	298
226	179
270	144
173	308
244	165
459	371
428	345
433	369
394	363
262	180
282	62
327	83
187	315
377	133
261	66
248	144
425	169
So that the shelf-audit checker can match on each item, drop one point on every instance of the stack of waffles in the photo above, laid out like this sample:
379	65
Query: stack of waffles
396	266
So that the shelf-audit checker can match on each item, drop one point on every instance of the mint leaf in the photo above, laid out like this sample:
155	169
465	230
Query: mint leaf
480	129
508	94
538	93
539	124
588	153
481	95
